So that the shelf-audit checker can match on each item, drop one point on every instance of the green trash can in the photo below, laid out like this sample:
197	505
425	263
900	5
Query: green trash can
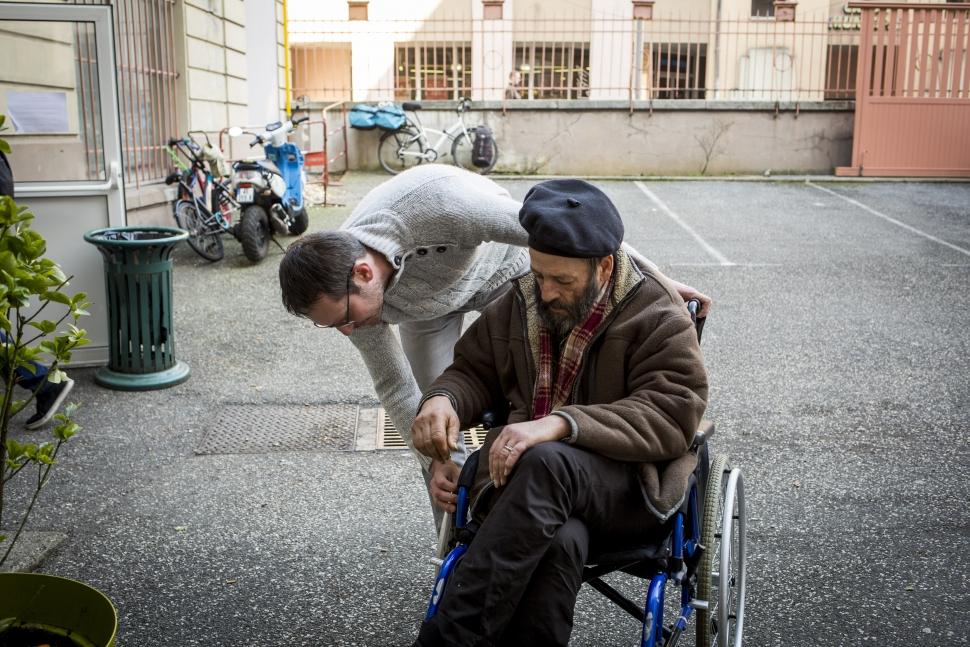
138	285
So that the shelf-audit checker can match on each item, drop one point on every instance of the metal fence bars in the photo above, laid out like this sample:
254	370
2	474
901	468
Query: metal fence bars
746	57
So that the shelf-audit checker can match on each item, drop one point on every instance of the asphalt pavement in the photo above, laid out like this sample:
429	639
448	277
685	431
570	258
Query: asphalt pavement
838	358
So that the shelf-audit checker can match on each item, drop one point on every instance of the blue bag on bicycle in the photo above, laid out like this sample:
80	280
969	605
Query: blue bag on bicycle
363	117
390	116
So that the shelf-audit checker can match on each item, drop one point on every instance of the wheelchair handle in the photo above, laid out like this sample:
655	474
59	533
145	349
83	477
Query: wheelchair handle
693	306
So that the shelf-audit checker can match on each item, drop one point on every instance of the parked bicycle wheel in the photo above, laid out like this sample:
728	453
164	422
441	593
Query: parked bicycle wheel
204	235
461	153
400	150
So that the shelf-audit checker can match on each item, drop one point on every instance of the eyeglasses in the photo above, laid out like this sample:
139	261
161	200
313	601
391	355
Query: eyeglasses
346	322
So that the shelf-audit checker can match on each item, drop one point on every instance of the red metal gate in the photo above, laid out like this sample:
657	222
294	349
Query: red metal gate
912	114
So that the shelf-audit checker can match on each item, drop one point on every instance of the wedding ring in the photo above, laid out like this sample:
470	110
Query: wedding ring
509	448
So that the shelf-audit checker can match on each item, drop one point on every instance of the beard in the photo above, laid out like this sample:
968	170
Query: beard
566	316
372	294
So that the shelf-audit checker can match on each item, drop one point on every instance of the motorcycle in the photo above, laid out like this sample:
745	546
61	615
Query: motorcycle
269	191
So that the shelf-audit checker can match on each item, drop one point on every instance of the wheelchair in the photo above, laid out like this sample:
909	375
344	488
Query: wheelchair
697	558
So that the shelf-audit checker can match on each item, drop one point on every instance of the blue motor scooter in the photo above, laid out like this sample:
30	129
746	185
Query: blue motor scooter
270	191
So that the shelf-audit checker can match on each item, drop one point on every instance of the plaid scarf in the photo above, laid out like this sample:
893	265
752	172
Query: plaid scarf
548	396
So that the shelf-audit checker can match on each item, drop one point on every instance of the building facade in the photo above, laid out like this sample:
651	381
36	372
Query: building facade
760	50
181	66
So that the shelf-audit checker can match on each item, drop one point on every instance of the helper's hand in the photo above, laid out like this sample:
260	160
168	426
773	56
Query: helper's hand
516	438
444	484
687	293
435	429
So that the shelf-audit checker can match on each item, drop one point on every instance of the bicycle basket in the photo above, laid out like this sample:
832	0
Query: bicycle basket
483	147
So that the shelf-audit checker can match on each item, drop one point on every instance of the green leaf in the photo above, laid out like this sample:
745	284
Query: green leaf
46	326
14	449
4	146
64	431
8	262
52	295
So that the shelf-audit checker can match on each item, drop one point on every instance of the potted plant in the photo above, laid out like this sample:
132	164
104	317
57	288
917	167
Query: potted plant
37	609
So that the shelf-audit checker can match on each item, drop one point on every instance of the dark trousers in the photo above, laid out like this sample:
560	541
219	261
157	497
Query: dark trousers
518	582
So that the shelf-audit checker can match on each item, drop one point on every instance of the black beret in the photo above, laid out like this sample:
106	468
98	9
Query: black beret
571	218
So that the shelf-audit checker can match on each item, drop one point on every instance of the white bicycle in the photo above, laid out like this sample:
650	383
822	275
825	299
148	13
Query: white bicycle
399	150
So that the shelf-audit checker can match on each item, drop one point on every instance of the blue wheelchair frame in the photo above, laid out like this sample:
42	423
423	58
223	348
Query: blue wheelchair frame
675	560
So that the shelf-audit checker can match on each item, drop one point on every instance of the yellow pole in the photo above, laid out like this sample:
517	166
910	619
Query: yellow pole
286	57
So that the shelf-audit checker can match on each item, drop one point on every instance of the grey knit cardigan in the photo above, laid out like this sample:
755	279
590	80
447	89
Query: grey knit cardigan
453	237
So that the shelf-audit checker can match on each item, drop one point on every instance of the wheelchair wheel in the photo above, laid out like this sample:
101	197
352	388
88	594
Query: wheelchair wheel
722	573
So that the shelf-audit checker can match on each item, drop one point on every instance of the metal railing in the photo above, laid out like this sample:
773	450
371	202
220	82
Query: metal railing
145	53
145	42
748	58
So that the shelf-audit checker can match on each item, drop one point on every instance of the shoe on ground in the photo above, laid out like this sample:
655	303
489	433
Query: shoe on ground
48	401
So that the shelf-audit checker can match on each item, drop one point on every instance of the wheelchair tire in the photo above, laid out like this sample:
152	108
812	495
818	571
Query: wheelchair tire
723	562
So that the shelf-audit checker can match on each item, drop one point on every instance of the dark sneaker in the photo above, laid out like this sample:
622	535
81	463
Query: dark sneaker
48	401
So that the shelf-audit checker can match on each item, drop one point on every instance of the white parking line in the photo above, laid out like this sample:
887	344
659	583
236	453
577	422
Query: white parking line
890	219
718	256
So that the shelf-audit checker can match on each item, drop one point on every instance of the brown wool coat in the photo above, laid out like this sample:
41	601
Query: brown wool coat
641	391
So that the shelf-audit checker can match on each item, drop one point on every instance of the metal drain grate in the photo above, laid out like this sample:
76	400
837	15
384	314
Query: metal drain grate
266	428
389	438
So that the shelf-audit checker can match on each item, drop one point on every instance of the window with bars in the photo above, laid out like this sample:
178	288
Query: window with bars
432	71
321	71
553	70
677	70
840	71
146	72
145	51
762	8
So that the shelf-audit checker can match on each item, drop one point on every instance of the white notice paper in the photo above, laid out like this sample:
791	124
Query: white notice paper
37	112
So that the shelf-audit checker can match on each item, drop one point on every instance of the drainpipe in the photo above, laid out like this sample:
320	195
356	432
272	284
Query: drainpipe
286	58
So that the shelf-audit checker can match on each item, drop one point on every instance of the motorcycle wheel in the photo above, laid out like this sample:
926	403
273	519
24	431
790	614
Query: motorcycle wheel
253	233
301	220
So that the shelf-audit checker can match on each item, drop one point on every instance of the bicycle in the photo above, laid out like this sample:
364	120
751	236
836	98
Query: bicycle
205	204
399	150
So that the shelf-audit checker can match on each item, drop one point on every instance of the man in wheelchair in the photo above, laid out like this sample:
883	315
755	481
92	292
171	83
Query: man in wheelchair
601	369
